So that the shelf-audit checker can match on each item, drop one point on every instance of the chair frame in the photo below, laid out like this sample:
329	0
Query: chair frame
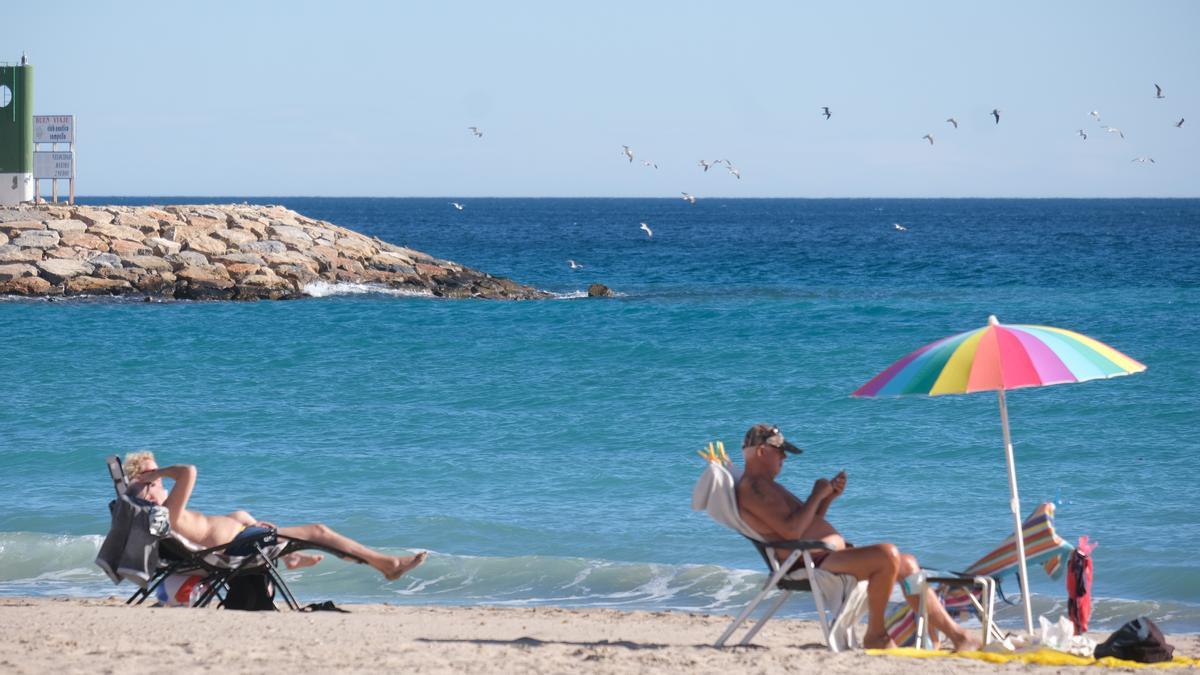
183	559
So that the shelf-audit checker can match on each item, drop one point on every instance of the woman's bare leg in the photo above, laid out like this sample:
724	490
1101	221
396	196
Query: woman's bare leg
878	564
390	566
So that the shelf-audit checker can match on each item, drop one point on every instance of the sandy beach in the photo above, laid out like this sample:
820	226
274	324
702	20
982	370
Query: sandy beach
74	635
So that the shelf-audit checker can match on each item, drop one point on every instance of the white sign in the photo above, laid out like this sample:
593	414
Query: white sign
54	164
53	128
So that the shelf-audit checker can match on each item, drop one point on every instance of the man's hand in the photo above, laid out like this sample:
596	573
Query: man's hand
822	488
838	483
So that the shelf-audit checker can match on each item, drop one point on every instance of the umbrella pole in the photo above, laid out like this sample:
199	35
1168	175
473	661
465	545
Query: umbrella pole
1015	505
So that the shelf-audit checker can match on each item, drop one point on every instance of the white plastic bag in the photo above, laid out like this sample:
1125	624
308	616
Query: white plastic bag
1061	636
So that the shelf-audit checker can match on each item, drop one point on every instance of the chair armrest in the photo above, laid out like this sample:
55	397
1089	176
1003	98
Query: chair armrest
799	545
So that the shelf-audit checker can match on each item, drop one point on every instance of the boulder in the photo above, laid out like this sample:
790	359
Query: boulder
30	286
391	262
599	291
105	260
16	271
293	237
126	248
37	239
62	226
138	221
84	240
10	253
148	262
326	257
209	282
186	259
291	258
203	244
162	285
3	239
235	238
130	275
69	253
14	228
355	247
300	274
239	270
248	258
58	270
268	246
96	286
114	231
92	216
163	247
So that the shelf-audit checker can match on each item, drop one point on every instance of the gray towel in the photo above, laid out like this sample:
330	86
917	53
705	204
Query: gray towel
130	551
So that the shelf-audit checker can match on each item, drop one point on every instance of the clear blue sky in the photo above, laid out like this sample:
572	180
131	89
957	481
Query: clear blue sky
355	98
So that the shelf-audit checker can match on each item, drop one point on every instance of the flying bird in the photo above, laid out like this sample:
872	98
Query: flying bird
476	131
1143	160
1158	92
899	227
649	163
928	137
574	265
646	228
736	174
1096	114
996	114
705	163
1179	124
457	205
826	113
628	153
953	121
687	197
1082	135
1113	130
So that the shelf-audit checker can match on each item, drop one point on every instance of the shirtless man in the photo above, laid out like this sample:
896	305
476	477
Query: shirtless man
208	531
774	512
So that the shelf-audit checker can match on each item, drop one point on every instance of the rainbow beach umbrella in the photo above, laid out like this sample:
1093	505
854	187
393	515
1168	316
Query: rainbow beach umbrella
999	357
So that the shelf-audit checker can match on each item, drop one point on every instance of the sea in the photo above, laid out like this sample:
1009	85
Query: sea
545	451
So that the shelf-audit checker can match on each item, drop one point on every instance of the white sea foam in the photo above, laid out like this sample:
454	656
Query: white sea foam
324	289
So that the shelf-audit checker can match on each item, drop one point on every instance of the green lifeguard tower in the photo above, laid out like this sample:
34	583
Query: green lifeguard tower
16	133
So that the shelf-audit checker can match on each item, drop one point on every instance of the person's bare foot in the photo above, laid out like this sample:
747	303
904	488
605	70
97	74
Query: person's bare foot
966	642
881	641
295	561
405	564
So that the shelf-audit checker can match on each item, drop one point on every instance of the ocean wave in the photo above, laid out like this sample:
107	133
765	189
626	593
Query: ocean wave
58	565
324	289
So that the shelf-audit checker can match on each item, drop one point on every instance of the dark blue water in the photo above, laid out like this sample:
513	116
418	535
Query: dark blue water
546	450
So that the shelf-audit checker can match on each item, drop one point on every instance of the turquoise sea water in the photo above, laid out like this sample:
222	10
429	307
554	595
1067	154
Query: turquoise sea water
545	451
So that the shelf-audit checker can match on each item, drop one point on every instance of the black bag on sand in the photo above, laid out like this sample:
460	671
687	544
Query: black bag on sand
252	592
1138	640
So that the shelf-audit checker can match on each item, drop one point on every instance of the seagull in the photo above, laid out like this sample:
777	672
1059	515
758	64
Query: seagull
1143	160
1096	114
953	121
457	205
628	153
689	198
1082	135
1113	130
646	228
705	163
1158	92
736	174
649	163
574	265
1179	124
899	227
476	131
996	114
929	137
826	113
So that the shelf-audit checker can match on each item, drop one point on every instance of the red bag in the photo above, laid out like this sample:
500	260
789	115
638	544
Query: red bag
1079	585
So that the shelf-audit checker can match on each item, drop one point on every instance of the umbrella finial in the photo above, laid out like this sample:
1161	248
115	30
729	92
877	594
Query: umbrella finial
993	321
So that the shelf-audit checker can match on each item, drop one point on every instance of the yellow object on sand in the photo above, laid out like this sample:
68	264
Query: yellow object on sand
1043	656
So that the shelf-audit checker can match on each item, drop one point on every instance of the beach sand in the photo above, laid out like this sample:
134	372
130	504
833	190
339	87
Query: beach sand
75	635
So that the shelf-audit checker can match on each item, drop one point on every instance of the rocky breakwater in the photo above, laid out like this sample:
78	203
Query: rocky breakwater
213	252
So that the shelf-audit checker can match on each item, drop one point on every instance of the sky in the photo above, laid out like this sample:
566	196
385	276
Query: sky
374	99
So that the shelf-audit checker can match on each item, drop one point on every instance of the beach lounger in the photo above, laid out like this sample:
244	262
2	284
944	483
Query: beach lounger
840	599
165	555
1043	546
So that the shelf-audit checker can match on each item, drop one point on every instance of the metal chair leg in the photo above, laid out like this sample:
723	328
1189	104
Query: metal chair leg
766	617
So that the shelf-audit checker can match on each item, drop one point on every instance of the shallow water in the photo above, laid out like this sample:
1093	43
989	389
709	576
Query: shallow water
546	450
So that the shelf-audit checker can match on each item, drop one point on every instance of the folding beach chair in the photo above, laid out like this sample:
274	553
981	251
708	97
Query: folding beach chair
840	598
1042	545
166	554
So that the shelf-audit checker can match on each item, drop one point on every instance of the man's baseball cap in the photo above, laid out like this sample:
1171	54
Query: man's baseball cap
769	434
